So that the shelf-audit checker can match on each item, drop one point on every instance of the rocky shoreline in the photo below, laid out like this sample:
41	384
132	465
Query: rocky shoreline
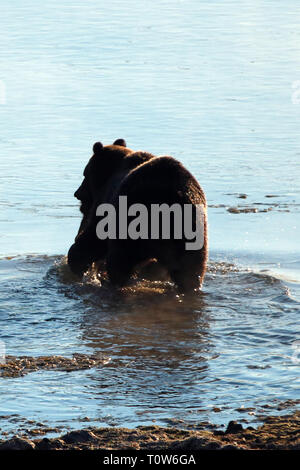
276	433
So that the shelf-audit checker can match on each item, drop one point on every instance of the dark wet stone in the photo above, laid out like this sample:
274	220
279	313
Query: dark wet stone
230	447
213	445
271	446
49	444
79	436
295	447
216	409
17	443
219	433
193	443
233	428
244	410
233	210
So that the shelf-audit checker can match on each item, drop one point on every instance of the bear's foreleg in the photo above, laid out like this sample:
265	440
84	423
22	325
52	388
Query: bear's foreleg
84	252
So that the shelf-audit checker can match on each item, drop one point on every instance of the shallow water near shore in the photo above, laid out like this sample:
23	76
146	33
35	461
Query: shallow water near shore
164	358
221	101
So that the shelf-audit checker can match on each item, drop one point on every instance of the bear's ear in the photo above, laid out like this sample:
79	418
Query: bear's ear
97	147
120	142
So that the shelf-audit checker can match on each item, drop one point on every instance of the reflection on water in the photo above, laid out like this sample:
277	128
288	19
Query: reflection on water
170	357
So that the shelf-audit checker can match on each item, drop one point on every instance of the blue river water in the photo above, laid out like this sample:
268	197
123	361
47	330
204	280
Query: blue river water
214	84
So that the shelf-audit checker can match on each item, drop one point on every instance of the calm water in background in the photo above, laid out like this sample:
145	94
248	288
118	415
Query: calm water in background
210	84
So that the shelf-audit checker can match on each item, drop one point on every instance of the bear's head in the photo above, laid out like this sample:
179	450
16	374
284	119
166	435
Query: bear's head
106	160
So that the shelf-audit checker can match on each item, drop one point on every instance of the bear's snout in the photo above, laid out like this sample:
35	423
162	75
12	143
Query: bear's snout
77	194
82	193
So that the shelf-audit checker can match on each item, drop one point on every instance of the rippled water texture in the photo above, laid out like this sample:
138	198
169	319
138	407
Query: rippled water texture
210	83
166	358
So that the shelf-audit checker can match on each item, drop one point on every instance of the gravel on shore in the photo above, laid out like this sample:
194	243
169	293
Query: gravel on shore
276	433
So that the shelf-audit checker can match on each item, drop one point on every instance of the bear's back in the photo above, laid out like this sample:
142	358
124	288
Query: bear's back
162	179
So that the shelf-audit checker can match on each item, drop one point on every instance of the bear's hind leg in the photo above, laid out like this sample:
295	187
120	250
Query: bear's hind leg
186	282
189	271
120	266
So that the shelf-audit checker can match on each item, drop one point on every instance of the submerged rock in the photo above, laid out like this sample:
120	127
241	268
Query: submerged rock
244	210
233	428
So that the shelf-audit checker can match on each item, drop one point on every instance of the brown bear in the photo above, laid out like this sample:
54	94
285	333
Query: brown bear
115	171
